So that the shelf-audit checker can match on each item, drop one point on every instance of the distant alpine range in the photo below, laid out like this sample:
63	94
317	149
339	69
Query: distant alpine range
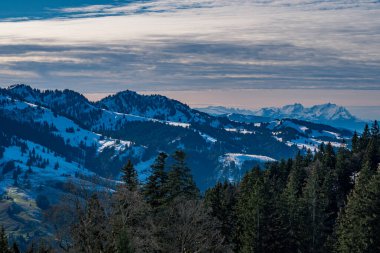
330	114
49	137
128	125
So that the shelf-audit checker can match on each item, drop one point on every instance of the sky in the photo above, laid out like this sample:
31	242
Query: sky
247	53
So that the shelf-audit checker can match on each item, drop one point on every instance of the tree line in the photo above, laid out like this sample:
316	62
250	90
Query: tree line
328	201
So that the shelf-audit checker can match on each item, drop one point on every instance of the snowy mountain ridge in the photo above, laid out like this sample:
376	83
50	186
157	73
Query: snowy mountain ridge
329	113
128	125
52	139
221	110
326	111
152	106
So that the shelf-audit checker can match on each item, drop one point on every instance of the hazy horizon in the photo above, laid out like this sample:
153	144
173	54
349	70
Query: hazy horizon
365	105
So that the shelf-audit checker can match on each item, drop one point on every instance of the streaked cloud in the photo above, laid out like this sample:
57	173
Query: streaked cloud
138	7
185	45
85	9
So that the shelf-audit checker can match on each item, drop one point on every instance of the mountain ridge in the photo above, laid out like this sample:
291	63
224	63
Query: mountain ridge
328	113
154	106
154	122
51	139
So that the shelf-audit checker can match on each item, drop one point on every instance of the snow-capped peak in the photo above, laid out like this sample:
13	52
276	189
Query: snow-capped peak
152	106
327	111
330	111
291	109
221	110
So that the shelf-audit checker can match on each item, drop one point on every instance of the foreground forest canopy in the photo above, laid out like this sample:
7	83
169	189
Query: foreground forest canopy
323	202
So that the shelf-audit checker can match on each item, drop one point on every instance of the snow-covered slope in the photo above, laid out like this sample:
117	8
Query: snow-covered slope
101	136
306	135
49	138
75	106
61	126
221	110
152	106
330	114
233	166
318	112
298	111
30	172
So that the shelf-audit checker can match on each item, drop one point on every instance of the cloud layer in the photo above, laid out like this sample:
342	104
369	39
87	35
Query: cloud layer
192	45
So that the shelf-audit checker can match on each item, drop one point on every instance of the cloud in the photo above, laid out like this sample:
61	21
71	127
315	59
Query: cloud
139	7
203	44
185	65
86	9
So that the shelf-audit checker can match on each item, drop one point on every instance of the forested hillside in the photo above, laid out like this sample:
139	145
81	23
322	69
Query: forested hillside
323	202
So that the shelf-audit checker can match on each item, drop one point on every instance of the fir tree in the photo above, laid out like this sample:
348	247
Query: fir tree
321	151
275	180
4	248
180	181
328	160
297	177
314	204
308	157
343	175
123	242
130	176
359	222
15	248
251	211
155	189
222	200
364	139
355	143
375	130
369	163
290	206
90	234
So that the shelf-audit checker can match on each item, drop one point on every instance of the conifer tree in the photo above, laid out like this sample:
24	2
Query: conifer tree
343	175
364	138
369	164
297	177
327	178
180	181
130	176
275	179
375	130
15	248
90	234
251	211
328	160
155	189
321	151
4	248
355	143
123	242
308	157
359	222
221	199
313	205
290	206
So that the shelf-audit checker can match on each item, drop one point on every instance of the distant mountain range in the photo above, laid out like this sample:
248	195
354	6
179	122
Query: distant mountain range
101	136
330	114
53	137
